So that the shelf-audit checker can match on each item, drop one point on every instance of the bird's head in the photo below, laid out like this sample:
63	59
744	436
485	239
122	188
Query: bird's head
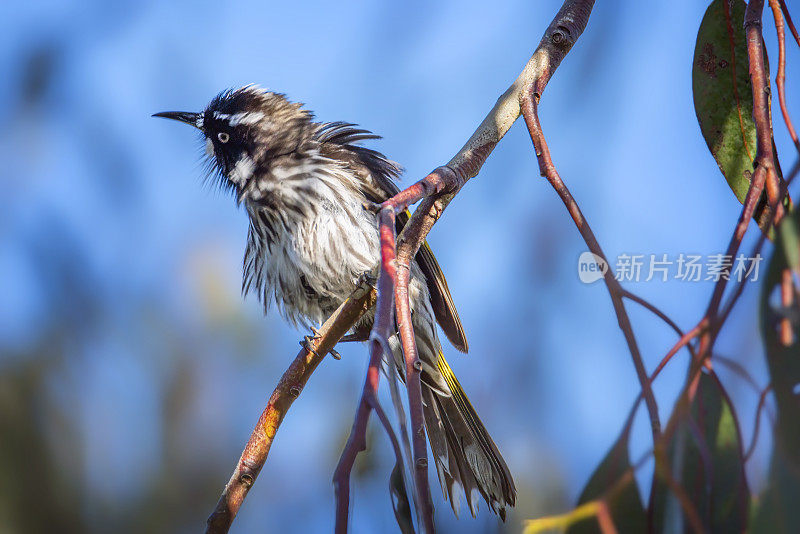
247	128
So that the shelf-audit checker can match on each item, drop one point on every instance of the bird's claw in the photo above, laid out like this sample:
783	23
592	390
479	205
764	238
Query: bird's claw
306	344
367	277
371	206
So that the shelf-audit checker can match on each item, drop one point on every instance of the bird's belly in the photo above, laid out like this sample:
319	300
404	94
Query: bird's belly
317	265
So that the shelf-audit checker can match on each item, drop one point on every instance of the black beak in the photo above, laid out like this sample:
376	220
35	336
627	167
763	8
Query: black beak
193	119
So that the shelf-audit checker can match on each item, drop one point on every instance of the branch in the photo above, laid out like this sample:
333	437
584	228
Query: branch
379	345
728	307
548	170
789	21
414	389
765	172
558	39
652	308
761	401
780	76
592	509
288	389
762	111
595	508
436	190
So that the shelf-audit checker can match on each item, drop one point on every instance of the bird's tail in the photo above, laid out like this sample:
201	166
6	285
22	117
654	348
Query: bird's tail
464	454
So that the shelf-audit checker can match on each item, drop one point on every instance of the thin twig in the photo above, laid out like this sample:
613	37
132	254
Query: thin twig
558	39
780	76
436	190
786	328
737	369
652	308
761	402
728	306
604	519
662	467
762	112
740	371
379	344
548	170
764	175
684	341
419	462
789	21
591	508
288	389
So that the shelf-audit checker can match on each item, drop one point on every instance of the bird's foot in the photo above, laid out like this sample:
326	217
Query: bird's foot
366	277
368	205
307	344
355	336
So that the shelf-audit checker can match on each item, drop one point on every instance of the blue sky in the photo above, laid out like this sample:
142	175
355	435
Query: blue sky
89	177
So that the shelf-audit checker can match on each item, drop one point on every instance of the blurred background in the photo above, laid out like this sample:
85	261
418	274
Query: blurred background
132	372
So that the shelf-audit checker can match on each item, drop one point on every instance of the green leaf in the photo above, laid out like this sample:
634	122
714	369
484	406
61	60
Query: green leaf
789	233
625	505
704	456
723	97
400	502
778	508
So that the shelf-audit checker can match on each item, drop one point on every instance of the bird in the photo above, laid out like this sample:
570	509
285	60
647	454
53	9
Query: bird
306	187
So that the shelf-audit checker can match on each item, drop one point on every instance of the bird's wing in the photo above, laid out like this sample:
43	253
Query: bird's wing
379	186
443	306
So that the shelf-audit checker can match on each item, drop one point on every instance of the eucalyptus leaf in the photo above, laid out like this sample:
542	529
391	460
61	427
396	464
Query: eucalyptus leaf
704	456
723	97
400	502
777	510
625	506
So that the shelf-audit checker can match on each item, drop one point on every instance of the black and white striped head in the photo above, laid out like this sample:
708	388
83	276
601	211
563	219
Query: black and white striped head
246	129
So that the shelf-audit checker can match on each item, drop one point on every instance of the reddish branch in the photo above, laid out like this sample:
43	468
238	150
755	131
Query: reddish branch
604	519
786	334
728	307
548	170
789	21
780	76
413	387
379	345
765	173
556	42
762	398
765	167
435	191
762	113
652	308
786	329
288	389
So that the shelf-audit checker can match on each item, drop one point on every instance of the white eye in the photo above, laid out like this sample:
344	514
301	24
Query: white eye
223	137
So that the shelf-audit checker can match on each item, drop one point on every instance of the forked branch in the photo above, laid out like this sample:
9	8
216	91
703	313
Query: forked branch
435	191
530	107
288	389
